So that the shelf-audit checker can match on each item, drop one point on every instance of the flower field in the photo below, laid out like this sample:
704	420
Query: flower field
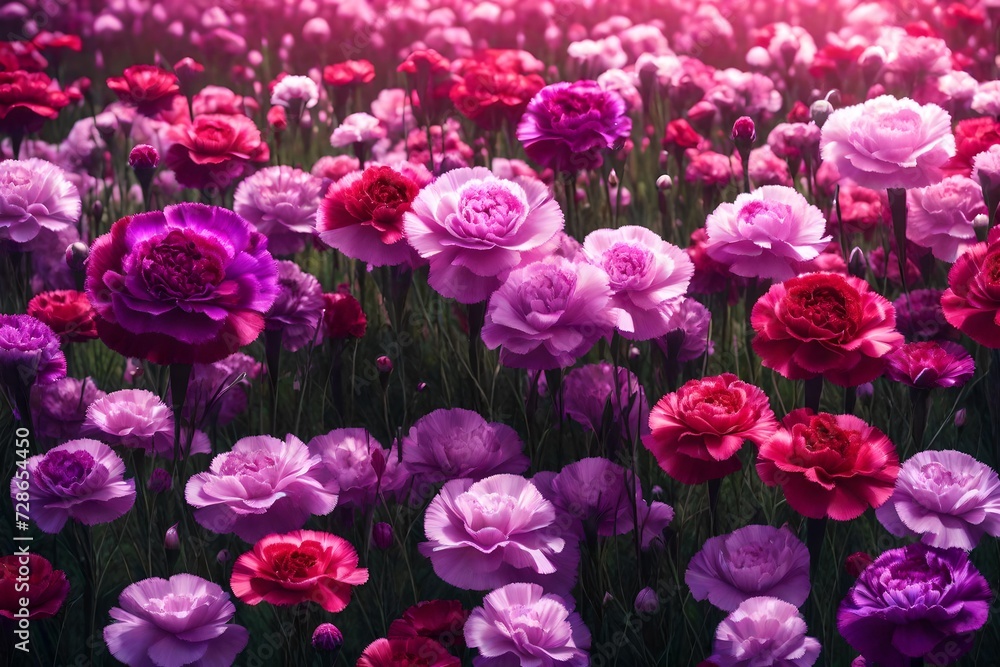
442	333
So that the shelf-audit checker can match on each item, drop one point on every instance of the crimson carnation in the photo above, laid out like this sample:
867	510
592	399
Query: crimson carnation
149	88
407	652
834	466
697	431
825	324
27	100
48	587
972	137
67	312
971	303
440	620
488	95
189	284
680	136
348	73
362	216
215	150
343	316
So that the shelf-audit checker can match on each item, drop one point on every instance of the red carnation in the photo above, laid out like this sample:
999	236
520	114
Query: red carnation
67	312
971	303
825	324
429	80
834	466
149	88
216	149
343	316
27	100
440	620
696	432
47	587
409	652
488	95
680	136
972	137
348	73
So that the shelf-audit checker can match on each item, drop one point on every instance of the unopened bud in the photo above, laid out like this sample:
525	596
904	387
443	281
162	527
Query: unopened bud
744	133
223	556
664	183
856	563
144	157
613	179
646	601
172	541
382	535
76	255
960	417
159	481
327	637
819	111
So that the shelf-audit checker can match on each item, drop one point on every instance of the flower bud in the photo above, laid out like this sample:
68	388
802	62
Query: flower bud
960	417
277	119
223	556
159	481
384	366
172	541
646	601
327	637
421	387
744	134
97	213
856	563
382	535
143	157
819	111
608	597
76	255
664	183
613	179
378	462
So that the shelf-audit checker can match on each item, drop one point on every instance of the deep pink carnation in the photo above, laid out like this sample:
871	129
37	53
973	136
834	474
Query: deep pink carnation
189	284
215	150
971	303
825	324
942	216
474	228
930	364
646	275
29	353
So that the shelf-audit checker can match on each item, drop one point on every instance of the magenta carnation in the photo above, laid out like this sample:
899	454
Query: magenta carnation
59	409
281	203
298	309
474	228
930	364
29	353
595	390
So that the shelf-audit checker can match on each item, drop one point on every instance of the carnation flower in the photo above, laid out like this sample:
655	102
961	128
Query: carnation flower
67	312
915	602
696	433
348	73
343	316
971	303
29	354
687	338
948	498
548	314
972	137
598	495
764	631
300	566
834	466
80	479
406	652
147	87
218	391
281	203
221	100
595	390
766	233
449	444
795	141
862	210
568	126
189	284
645	274
919	316
335	167
44	588
474	228
486	534
930	364
889	143
362	216
180	620
27	100
348	462
490	94
262	485
58	409
295	92
297	311
215	150
35	195
139	419
440	620
942	216
358	128
520	624
766	168
986	168
711	169
824	324
750	562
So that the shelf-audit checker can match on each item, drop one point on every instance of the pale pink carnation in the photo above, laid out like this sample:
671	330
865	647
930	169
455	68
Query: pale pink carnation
943	216
139	419
358	128
987	99
348	461
281	203
293	92
35	195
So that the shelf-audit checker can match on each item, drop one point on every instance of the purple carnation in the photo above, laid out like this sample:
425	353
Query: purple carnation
58	410
82	480
281	202
449	444
263	485
947	497
29	352
750	562
218	391
548	314
490	533
189	284
597	495
181	620
589	391
298	309
140	419
35	195
930	364
474	228
568	126
348	461
519	624
688	337
915	602
919	316
764	631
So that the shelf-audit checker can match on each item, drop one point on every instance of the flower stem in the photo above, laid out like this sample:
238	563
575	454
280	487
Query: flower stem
897	205
814	391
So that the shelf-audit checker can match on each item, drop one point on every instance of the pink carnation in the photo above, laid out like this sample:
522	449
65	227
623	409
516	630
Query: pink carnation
281	203
943	216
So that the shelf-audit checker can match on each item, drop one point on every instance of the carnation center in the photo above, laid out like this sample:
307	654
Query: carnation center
294	562
489	210
180	267
914	576
764	219
940	478
719	401
752	556
173	605
66	470
625	263
548	292
237	463
826	303
991	269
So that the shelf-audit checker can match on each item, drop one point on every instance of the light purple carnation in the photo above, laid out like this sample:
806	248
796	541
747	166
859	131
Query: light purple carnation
688	337
348	460
59	409
764	631
474	228
749	562
298	309
218	391
943	216
80	479
645	273
596	495
486	534
183	620
549	314
263	485
295	92
35	194
281	203
590	391
449	444
568	126
29	353
889	143
357	128
766	233
986	167
948	498
519	624
139	419
986	99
